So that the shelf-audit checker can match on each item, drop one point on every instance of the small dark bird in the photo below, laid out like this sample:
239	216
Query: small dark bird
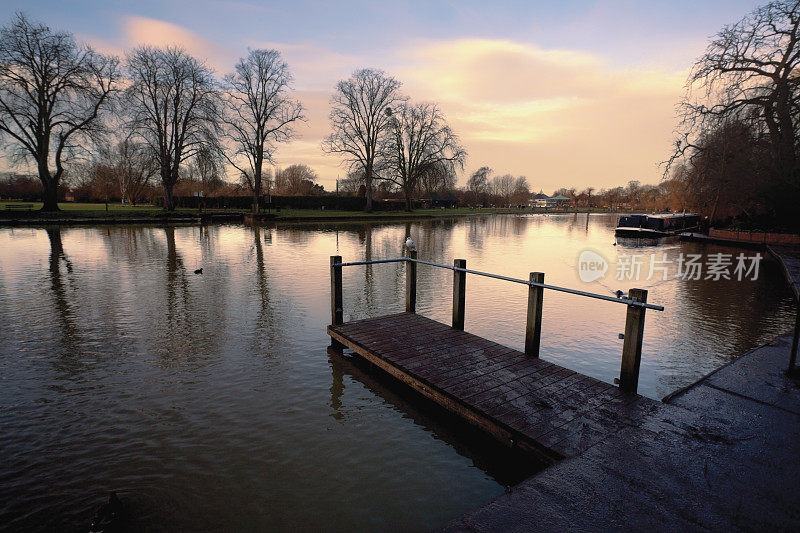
198	271
619	294
108	515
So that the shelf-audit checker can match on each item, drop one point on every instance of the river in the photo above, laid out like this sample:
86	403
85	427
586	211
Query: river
208	401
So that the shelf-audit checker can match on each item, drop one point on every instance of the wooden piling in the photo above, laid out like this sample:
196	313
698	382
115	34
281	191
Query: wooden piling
459	293
337	312
632	347
533	325
411	283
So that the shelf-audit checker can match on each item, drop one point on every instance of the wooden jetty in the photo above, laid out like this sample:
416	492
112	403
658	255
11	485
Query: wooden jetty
514	396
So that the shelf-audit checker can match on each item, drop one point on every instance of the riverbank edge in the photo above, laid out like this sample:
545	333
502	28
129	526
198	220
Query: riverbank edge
238	218
706	419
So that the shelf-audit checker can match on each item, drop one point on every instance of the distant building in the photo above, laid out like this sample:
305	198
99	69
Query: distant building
542	200
560	201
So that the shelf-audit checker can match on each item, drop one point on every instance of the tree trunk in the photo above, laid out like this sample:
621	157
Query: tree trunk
408	200
256	191
50	195
368	187
169	204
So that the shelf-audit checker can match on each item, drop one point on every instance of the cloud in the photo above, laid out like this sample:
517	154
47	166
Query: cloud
561	117
146	31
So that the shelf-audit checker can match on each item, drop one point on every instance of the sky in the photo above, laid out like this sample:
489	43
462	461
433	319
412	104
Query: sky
569	94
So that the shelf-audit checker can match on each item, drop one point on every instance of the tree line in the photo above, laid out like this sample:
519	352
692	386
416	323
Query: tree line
67	109
737	152
159	112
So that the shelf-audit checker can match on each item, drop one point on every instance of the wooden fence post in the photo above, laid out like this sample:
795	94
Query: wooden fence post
459	293
533	325
632	346
411	283
337	313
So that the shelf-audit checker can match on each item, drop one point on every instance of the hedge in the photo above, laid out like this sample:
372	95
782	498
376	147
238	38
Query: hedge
341	203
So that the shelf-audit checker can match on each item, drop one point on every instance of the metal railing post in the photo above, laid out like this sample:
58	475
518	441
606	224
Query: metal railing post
459	293
411	283
632	347
533	325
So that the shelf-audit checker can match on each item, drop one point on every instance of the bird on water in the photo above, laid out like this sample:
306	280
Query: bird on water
198	271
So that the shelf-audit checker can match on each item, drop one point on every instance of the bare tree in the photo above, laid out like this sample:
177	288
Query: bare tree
352	183
437	178
258	114
358	120
522	191
297	180
503	186
52	95
749	71
478	182
208	165
174	108
131	166
418	139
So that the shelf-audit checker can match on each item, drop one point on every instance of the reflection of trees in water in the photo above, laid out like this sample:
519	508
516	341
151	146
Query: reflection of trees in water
265	323
194	319
136	245
66	317
716	321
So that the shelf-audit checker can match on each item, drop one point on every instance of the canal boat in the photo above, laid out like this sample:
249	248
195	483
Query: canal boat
657	226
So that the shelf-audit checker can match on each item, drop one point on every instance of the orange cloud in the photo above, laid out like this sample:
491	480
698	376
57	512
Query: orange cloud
559	117
147	31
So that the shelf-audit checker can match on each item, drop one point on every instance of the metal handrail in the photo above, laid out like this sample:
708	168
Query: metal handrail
626	301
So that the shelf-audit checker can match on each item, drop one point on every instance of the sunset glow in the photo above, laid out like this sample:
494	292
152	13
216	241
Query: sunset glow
579	95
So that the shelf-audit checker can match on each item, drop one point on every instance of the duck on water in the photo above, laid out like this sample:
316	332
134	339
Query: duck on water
656	226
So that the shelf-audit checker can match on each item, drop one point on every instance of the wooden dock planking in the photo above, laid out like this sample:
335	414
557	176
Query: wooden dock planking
522	400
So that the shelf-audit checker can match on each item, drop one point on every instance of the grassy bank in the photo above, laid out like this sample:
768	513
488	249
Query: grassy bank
73	211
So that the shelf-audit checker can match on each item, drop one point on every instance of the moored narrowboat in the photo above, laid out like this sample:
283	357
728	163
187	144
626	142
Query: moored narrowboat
656	226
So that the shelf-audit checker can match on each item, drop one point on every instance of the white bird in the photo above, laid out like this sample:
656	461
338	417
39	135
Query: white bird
410	244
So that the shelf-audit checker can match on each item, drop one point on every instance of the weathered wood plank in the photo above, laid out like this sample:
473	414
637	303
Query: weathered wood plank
522	401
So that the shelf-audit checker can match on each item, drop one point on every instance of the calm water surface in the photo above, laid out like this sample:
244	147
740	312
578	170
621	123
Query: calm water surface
209	401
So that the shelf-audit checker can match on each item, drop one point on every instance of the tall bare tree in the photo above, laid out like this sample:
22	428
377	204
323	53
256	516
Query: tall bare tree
418	139
358	120
748	73
297	180
52	95
521	192
478	182
503	186
436	178
208	165
174	108
258	114
131	166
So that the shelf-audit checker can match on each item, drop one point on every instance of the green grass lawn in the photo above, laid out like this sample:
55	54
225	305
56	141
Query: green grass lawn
115	210
77	209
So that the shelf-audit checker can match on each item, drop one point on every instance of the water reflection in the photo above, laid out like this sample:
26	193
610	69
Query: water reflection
507	466
124	370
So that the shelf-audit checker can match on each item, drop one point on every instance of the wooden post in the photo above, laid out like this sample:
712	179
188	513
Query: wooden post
459	293
533	326
337	312
795	338
411	283
632	347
